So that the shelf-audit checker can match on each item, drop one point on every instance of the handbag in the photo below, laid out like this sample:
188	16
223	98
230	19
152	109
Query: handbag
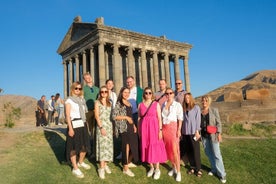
211	129
76	123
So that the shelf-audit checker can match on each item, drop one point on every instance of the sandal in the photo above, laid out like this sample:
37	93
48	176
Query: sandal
191	171
199	174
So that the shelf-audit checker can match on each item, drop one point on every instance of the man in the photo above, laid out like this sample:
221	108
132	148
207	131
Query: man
41	113
135	97
51	109
90	95
179	97
179	92
160	95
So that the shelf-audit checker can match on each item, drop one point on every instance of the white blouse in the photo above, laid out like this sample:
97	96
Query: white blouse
174	113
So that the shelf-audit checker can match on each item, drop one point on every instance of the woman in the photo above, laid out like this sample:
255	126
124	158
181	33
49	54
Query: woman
59	107
112	95
77	140
104	132
210	140
122	115
150	131
172	115
190	132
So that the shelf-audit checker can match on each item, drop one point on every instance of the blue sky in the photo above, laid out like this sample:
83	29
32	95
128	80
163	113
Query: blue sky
231	38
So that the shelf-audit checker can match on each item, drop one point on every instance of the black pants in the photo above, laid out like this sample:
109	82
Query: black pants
192	149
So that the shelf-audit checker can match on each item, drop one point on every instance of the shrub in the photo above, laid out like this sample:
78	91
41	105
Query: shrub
11	114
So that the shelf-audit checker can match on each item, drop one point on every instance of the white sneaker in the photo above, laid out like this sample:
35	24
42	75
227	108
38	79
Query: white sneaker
119	157
223	180
178	177
130	165
171	172
210	173
107	170
157	174
101	173
150	173
78	173
84	165
129	173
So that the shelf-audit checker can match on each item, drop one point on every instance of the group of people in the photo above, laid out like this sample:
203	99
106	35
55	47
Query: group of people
153	128
50	111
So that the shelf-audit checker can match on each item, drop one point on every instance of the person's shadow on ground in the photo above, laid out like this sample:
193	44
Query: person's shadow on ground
56	142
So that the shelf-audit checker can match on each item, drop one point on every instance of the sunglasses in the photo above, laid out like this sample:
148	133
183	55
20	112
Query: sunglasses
170	93
148	93
178	83
78	89
104	92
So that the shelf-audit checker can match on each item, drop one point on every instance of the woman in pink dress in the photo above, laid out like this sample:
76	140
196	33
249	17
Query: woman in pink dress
150	131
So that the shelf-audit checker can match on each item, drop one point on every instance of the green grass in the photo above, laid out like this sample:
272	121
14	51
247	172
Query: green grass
38	157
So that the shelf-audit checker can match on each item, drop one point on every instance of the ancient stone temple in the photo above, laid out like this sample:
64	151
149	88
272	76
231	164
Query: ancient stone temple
112	53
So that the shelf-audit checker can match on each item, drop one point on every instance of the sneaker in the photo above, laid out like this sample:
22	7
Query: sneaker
210	173
101	173
119	157
157	174
150	173
178	177
107	170
77	173
129	173
223	180
84	165
130	165
171	172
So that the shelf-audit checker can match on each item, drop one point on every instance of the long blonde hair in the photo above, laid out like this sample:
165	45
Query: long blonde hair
188	106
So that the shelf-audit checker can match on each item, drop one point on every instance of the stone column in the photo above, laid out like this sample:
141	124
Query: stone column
117	69
187	75
65	74
101	63
92	63
144	68
155	71
162	66
130	59
71	72
84	66
176	67
167	69
77	68
106	65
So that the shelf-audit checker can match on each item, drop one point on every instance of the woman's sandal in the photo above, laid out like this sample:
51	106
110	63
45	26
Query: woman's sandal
191	171
199	174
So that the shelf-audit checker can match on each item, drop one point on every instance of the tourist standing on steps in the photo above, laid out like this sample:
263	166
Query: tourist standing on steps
90	95
112	95
191	133
77	139
59	106
172	115
150	132
211	138
104	132
51	109
160	95
124	125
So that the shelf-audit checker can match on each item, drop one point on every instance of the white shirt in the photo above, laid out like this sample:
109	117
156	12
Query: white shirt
174	113
74	111
132	99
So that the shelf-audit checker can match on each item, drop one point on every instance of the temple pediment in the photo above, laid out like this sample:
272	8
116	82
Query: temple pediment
76	32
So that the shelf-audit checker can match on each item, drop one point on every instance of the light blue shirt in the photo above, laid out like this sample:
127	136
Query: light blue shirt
192	120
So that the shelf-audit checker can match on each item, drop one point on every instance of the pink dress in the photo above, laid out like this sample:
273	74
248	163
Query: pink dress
152	149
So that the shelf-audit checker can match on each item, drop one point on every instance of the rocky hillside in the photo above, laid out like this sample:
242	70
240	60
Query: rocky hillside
25	103
250	100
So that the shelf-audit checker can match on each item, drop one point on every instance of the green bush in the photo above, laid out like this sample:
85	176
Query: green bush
11	114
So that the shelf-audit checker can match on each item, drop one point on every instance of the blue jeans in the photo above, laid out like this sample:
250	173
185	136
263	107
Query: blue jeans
212	151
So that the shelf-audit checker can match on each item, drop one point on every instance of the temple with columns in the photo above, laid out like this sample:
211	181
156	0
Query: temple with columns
111	53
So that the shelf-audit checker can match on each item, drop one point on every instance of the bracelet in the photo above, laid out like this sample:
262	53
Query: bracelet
160	129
